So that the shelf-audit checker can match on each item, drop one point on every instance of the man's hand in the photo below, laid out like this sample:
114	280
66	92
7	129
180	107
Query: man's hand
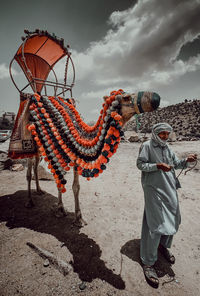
191	157
164	167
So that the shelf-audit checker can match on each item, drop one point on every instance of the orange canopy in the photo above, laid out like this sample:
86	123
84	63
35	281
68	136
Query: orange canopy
37	56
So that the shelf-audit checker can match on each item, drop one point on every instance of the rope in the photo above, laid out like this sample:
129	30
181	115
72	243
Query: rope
189	169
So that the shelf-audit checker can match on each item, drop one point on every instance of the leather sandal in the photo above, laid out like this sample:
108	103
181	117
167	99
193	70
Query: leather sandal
151	276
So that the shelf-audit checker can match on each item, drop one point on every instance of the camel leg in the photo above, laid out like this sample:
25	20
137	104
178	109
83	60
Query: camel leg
29	203
36	163
59	211
76	188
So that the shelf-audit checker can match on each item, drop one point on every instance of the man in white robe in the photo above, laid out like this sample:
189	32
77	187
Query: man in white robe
161	211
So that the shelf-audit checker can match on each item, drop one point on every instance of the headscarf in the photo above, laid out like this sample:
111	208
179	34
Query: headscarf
158	128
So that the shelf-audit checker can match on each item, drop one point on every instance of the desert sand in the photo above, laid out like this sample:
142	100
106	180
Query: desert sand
104	254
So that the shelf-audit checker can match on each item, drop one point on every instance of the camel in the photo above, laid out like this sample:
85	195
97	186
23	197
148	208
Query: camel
50	126
117	109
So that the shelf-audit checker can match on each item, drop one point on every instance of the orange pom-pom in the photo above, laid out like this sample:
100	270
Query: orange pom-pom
31	107
36	139
43	110
33	132
117	117
63	190
113	114
116	133
61	142
31	127
66	168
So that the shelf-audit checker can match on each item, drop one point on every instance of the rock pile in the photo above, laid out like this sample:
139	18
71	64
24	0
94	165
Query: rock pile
183	117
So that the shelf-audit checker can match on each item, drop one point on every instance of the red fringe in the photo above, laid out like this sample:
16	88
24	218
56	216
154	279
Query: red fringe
14	155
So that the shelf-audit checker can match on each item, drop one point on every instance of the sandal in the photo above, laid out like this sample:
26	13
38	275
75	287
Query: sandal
167	254
151	276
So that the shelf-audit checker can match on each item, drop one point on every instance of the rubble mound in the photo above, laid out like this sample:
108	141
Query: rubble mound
183	117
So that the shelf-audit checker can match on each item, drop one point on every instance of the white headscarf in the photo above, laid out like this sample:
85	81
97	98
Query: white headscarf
158	128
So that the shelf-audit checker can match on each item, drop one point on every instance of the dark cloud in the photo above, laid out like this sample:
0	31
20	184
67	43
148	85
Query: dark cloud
165	28
79	22
190	49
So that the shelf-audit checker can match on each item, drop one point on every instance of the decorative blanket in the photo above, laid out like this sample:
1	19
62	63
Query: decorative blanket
66	141
21	141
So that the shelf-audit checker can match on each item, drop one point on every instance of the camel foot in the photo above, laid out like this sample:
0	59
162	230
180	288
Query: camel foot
29	204
59	212
40	191
79	222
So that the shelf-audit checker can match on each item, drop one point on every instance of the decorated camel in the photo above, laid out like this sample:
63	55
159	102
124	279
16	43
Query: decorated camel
51	127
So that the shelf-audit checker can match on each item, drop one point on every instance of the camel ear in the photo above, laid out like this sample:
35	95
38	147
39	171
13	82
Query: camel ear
105	97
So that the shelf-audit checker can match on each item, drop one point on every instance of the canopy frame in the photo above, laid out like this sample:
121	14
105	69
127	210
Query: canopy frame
36	82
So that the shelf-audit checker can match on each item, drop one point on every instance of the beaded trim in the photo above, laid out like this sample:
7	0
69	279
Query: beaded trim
66	141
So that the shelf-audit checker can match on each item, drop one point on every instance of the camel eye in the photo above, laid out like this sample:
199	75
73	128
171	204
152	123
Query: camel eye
126	99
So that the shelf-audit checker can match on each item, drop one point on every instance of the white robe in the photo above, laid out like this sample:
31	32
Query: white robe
160	193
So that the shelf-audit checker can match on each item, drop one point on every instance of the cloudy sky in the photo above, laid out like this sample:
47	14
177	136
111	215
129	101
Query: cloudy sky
134	45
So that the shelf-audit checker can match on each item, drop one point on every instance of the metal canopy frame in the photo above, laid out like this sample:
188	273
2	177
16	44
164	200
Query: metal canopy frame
58	87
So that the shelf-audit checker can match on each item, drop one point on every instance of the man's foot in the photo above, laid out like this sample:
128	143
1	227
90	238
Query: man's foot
167	254
151	276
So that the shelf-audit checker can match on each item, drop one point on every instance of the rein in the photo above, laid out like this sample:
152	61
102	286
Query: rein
189	169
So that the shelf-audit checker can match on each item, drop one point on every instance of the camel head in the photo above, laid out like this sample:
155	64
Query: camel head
135	103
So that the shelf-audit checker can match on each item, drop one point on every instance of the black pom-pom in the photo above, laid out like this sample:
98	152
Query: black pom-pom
105	153
111	148
63	182
46	144
95	171
113	123
113	137
118	127
103	167
108	141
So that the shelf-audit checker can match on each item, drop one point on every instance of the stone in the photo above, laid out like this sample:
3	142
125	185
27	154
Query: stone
46	263
17	167
133	139
82	286
172	137
131	136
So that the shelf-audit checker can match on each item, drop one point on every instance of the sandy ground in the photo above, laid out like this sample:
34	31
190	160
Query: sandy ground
105	253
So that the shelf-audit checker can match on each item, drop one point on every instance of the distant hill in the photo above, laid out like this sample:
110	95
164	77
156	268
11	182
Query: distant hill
183	117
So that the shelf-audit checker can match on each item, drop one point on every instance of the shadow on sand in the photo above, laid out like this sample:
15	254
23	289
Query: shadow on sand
86	253
132	250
